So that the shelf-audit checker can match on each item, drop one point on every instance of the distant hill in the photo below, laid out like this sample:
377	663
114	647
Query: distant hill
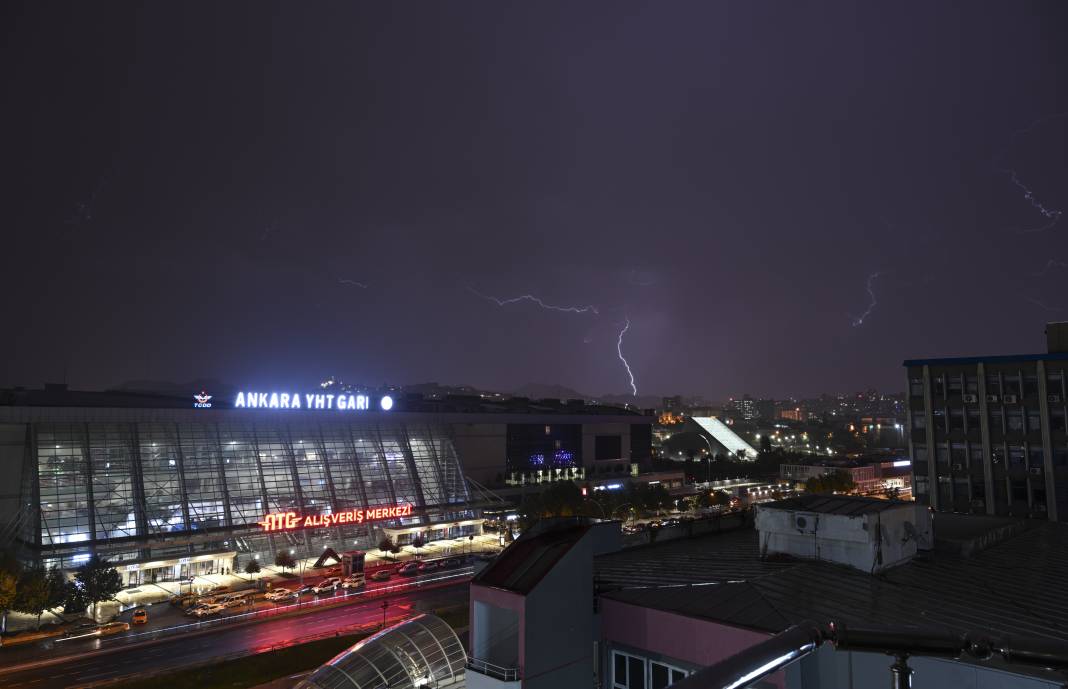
537	391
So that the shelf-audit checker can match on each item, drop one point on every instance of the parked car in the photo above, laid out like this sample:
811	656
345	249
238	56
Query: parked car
354	581
302	589
278	594
328	584
408	569
81	628
140	616
209	610
382	575
333	571
112	628
193	610
428	566
237	600
219	589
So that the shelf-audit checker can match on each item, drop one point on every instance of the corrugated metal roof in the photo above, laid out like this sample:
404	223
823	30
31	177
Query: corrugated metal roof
1016	587
849	505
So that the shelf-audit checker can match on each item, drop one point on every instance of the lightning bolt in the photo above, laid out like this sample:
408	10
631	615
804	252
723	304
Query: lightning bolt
1050	265
1051	214
619	351
859	320
1043	305
536	300
346	281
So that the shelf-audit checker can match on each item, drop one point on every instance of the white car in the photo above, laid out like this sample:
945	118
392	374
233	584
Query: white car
354	581
209	610
278	594
328	584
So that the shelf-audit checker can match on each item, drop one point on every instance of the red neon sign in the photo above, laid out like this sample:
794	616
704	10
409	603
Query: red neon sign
285	521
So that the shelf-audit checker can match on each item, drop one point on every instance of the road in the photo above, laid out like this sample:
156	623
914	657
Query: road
179	651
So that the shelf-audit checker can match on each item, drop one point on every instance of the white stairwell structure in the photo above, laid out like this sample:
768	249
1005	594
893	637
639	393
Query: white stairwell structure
726	437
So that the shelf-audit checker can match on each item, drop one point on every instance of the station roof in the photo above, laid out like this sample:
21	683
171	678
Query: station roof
996	359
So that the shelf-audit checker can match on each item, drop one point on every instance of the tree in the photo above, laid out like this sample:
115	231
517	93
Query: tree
418	542
9	576
252	567
94	582
835	482
765	444
32	594
386	544
285	560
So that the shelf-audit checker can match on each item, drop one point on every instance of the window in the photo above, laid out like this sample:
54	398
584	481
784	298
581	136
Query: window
1035	456
941	455
997	424
993	384
976	456
978	491
628	672
662	675
1034	420
1056	418
940	386
1014	419
916	387
1060	456
919	421
971	385
955	385
974	419
1016	455
1012	385
956	419
1055	383
939	419
1019	491
1030	386
608	447
959	454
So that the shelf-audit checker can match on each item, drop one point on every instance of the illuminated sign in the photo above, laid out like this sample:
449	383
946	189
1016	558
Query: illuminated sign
202	401
285	400
287	521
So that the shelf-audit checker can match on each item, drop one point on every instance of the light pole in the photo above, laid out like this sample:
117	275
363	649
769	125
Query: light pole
710	455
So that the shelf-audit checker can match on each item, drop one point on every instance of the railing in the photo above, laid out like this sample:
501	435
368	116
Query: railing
484	667
767	657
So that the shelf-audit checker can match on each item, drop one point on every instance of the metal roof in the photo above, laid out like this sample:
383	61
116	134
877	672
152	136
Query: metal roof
524	563
421	651
1015	587
849	505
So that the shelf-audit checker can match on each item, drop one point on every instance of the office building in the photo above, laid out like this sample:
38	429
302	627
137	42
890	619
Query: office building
987	435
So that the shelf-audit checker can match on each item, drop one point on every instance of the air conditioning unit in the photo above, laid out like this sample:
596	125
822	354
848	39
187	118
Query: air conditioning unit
991	398
1055	399
1008	399
1036	471
971	398
805	523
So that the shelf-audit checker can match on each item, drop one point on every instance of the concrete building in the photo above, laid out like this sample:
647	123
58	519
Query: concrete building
865	533
523	632
662	613
989	435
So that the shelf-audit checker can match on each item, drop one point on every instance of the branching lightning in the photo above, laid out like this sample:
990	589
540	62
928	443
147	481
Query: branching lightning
536	300
619	351
346	281
1044	306
859	320
1050	265
1050	214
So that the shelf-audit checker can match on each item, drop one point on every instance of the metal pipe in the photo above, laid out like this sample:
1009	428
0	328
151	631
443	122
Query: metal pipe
758	661
897	640
901	673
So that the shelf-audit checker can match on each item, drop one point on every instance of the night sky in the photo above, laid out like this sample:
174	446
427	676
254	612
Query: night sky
269	194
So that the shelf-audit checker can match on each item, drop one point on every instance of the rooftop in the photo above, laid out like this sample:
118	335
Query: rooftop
523	564
997	359
850	505
722	578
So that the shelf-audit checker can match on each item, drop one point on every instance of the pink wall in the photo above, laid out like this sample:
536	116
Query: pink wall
701	642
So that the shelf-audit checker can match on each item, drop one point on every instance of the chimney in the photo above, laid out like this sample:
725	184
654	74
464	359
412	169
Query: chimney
1057	337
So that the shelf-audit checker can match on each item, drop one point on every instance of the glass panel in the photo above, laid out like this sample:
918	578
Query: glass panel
204	488
242	474
114	496
62	473
159	472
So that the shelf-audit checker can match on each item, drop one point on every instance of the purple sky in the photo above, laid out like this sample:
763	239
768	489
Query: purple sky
271	194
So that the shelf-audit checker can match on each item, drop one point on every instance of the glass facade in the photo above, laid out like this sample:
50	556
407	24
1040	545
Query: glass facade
158	490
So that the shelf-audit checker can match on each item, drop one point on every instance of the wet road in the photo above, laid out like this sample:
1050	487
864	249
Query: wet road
179	651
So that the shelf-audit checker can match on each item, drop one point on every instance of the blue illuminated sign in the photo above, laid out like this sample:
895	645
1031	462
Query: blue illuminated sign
285	400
